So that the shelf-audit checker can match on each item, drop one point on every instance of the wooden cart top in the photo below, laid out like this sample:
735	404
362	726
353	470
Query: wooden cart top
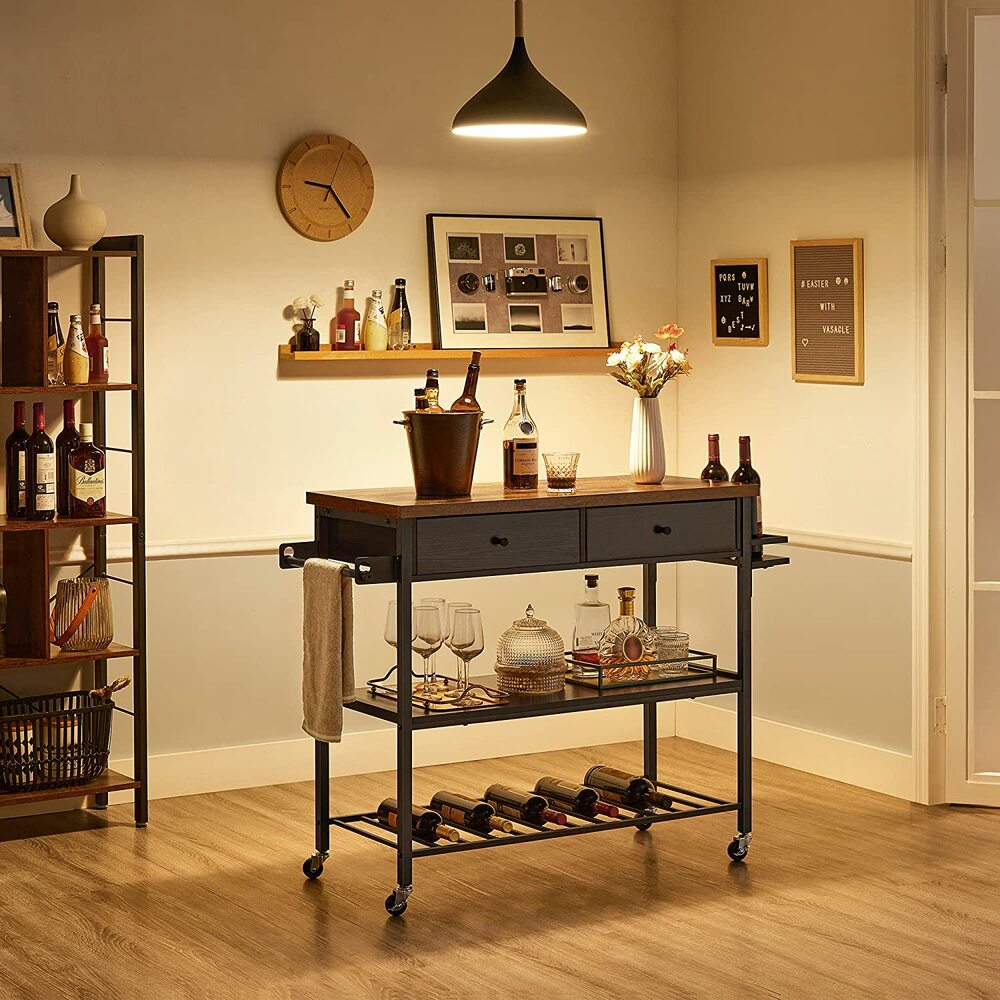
490	498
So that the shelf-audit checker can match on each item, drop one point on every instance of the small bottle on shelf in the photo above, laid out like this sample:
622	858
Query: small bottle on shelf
427	824
40	460
16	453
467	401
525	806
57	344
420	401
576	798
628	640
630	790
714	472
348	322
399	318
76	360
66	443
376	332
87	477
97	348
470	813
433	390
590	619
747	474
520	444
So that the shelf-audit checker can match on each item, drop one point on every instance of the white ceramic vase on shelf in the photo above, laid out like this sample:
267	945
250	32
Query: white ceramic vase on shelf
647	459
73	223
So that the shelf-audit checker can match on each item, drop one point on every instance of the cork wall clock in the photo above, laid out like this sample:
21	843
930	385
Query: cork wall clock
325	187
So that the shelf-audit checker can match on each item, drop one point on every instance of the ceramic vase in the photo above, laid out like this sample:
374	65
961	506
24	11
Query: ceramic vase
647	459
73	223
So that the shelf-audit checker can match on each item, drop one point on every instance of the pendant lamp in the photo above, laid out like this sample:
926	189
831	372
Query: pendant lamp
519	103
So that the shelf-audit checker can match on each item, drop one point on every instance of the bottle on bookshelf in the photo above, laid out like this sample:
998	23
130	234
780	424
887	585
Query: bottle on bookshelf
630	790
590	619
420	401
576	798
467	401
433	391
400	327
525	806
16	454
714	471
66	443
57	345
628	641
76	360
520	444
347	326
97	348
427	824
40	460
747	474
87	477
470	813
376	332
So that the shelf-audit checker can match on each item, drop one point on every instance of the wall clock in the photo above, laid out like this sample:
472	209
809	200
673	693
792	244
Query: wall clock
325	187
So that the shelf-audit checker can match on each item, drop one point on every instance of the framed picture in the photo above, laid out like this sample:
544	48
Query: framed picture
739	301
828	311
15	226
518	281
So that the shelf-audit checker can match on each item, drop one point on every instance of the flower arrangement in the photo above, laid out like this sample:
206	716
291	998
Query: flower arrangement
307	306
648	367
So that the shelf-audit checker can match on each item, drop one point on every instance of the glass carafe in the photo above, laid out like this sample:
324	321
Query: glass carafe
590	618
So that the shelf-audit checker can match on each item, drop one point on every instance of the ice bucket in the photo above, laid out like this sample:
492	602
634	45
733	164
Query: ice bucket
443	449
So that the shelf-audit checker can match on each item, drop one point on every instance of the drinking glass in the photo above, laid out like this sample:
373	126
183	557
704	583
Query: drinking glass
390	628
453	606
426	640
442	608
467	642
560	470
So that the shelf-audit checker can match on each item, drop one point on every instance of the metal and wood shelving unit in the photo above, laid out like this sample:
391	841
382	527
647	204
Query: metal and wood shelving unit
389	536
24	288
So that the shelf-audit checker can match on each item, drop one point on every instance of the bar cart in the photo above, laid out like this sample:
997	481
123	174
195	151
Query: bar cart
390	536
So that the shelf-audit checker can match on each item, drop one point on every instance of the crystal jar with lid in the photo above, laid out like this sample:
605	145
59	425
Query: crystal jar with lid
530	657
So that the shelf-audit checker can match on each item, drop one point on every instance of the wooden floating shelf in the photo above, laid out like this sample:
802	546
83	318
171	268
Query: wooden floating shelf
421	353
56	658
55	252
109	781
64	390
22	524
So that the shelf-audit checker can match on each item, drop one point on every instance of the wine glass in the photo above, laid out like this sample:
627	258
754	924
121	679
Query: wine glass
390	633
467	641
427	639
442	608
453	606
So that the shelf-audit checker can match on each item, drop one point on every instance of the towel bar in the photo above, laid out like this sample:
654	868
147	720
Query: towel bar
366	569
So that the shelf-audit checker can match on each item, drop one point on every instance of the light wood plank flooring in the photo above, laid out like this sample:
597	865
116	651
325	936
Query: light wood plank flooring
846	894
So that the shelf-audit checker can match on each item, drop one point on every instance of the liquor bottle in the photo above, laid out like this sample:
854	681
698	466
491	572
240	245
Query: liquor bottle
427	824
714	472
376	333
747	475
97	348
628	640
576	798
433	390
66	443
76	360
630	790
40	460
87	477
520	444
399	318
590	618
420	401
16	453
470	813
348	322
525	806
57	344
467	401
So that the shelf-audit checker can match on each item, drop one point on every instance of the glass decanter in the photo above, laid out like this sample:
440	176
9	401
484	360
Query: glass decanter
590	618
628	641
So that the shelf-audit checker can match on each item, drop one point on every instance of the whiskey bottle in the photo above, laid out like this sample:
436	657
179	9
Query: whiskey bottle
470	813
87	477
520	444
467	401
56	346
66	444
747	474
591	617
630	790
376	333
433	391
427	824
97	348
347	322
525	806
420	401
16	454
399	318
40	461
576	798
76	360
628	640
714	472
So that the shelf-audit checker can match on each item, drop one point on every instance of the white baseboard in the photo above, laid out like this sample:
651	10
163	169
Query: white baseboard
857	764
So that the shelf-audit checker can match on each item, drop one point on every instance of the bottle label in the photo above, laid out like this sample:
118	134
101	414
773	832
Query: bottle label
22	479
341	334
104	359
452	814
45	482
87	486
505	810
525	458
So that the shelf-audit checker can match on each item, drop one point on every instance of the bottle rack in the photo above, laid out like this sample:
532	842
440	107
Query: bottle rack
24	281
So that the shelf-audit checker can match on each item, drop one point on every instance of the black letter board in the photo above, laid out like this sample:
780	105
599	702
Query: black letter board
739	301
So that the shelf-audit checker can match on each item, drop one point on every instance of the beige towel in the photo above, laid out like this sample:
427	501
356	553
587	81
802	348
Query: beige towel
327	648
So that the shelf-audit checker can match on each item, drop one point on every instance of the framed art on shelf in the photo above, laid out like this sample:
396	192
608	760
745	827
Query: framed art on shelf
15	225
518	282
739	301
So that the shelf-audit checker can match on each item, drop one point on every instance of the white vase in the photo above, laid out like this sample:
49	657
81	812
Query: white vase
647	460
73	223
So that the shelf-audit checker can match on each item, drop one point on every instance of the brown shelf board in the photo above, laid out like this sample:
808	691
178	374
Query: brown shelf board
21	524
109	781
64	390
421	353
114	651
56	252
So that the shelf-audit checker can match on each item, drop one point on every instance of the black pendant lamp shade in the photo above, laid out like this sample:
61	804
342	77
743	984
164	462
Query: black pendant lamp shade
519	103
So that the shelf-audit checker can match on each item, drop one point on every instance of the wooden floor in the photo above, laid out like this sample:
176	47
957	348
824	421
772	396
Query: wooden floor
845	894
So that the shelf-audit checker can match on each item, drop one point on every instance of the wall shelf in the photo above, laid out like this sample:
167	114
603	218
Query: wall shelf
113	652
324	356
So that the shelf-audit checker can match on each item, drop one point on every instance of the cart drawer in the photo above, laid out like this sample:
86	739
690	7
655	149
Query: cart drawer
481	543
668	529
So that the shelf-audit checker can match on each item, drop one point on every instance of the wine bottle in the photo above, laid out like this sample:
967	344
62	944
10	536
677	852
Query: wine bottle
747	475
433	390
40	460
76	360
66	443
347	323
576	798
97	348
87	477
16	452
376	333
470	813
399	318
630	790
525	806
520	444
467	401
427	824
714	472
57	344
420	401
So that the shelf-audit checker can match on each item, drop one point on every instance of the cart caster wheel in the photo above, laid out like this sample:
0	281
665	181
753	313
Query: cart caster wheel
736	850
643	826
393	908
312	867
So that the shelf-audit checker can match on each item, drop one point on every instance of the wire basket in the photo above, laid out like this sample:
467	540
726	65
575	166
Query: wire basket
54	740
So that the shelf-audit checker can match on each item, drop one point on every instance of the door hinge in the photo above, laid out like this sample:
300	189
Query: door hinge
942	75
941	716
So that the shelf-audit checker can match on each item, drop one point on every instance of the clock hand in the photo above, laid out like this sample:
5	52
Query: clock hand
316	184
343	208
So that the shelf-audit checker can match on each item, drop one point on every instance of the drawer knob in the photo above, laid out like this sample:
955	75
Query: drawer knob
663	529
500	540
